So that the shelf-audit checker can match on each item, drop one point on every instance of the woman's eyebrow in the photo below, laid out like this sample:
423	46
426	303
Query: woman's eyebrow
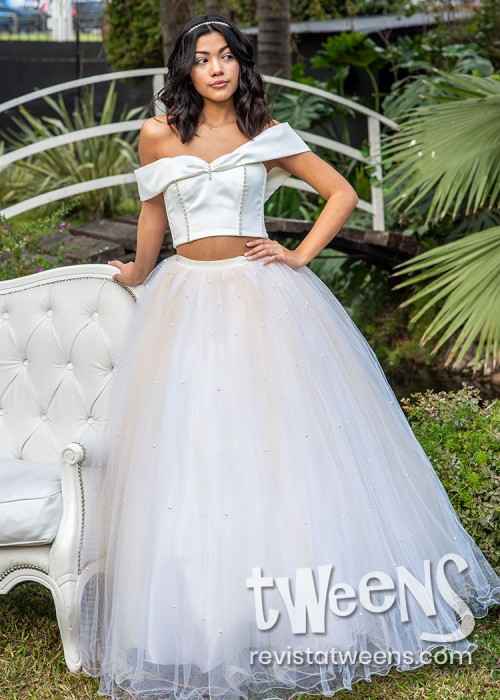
208	52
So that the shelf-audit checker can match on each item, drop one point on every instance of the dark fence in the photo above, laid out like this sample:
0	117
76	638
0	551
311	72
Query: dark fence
28	66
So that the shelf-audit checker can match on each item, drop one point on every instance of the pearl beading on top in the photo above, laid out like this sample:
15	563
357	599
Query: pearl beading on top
244	188
181	200
215	21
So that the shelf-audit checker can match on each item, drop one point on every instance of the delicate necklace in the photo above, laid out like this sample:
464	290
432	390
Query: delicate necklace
217	128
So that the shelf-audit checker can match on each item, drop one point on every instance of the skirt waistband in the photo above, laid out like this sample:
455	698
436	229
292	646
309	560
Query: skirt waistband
224	262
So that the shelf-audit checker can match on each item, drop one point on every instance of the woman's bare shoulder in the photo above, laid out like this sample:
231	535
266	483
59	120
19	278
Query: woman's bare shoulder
157	127
154	138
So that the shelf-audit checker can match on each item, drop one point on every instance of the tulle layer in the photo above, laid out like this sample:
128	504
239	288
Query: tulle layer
256	463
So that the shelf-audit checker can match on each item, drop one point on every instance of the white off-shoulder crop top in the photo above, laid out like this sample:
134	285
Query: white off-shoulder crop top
225	197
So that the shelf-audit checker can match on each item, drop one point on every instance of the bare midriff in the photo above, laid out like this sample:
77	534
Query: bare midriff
215	247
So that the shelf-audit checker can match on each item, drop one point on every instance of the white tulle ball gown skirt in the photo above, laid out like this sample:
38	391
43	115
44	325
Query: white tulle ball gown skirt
260	519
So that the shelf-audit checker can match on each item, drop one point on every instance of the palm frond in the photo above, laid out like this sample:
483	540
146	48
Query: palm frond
462	279
448	148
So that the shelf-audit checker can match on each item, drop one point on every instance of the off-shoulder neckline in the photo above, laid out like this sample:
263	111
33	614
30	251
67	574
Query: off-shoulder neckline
224	155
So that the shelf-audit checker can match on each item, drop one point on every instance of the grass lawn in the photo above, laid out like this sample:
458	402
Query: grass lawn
32	664
47	36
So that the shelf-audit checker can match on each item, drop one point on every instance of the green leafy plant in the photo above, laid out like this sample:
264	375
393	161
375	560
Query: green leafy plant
300	108
461	437
351	49
484	26
306	111
80	161
288	203
487	26
12	181
421	60
430	148
447	156
132	34
462	278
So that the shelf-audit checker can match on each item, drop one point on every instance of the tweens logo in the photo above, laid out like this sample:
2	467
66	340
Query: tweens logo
343	601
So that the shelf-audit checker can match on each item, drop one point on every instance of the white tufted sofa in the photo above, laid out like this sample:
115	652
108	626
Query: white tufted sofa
60	331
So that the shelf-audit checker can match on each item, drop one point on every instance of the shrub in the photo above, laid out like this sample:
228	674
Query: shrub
460	434
132	36
20	252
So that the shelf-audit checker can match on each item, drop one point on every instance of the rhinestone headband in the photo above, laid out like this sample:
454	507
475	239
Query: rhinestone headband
215	21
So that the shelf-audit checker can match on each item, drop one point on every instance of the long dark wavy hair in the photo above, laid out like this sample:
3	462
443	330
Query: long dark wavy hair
183	102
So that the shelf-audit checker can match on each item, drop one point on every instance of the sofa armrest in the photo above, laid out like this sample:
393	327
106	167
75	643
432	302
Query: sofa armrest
73	453
64	558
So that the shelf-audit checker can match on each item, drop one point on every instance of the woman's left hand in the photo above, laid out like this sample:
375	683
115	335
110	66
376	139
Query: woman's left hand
273	251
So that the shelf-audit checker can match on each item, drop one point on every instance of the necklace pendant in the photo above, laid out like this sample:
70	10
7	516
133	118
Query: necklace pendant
218	128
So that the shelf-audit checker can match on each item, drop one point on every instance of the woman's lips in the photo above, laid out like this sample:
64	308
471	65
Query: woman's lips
219	85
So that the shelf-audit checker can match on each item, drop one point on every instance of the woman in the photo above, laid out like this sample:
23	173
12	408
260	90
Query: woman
260	506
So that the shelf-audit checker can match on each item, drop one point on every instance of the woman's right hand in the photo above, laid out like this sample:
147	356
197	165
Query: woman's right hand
128	273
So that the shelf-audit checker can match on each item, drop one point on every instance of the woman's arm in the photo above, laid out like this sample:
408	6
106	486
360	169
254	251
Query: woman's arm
341	201
152	222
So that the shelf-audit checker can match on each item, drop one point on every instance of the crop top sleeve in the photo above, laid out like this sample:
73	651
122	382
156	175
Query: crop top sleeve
274	142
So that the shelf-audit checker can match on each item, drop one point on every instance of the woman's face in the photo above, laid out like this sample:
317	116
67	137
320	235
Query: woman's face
214	62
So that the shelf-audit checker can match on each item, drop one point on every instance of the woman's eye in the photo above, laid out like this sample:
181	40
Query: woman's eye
199	61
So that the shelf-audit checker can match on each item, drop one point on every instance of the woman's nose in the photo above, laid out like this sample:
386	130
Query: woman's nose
216	66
